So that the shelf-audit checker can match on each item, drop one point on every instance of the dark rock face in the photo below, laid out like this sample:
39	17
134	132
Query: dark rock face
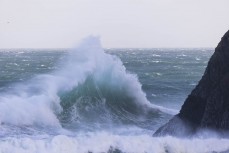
208	104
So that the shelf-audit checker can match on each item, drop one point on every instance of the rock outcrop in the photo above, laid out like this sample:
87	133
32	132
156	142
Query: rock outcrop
208	104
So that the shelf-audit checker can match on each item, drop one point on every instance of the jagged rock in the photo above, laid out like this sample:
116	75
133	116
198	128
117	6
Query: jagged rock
208	104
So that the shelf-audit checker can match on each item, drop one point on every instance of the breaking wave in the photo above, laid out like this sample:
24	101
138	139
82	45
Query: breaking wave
90	87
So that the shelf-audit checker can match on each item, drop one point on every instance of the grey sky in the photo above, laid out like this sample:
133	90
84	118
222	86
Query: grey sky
119	23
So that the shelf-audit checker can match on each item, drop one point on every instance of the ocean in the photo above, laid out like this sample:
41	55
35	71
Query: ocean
94	100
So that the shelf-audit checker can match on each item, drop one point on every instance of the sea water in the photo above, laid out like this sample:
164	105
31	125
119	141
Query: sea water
90	99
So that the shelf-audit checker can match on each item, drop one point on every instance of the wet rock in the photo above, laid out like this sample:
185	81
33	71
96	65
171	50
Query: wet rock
208	104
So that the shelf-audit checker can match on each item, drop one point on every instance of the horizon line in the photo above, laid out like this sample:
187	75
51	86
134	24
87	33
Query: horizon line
139	48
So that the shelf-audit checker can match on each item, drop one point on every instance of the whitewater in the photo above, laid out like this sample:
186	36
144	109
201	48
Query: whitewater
88	99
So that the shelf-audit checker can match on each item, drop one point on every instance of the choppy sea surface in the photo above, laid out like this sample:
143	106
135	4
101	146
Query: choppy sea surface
90	99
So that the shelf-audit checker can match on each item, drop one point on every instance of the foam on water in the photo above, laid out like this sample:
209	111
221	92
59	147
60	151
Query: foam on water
107	142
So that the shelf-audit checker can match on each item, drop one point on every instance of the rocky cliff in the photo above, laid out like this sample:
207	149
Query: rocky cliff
208	104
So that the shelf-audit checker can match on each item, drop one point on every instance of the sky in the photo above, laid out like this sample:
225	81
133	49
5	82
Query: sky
118	23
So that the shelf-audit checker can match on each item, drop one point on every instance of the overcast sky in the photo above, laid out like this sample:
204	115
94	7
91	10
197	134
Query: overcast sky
119	23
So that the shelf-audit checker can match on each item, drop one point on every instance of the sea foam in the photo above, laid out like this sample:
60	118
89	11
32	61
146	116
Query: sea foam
107	142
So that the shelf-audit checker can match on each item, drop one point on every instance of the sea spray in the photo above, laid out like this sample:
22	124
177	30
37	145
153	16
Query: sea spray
107	92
